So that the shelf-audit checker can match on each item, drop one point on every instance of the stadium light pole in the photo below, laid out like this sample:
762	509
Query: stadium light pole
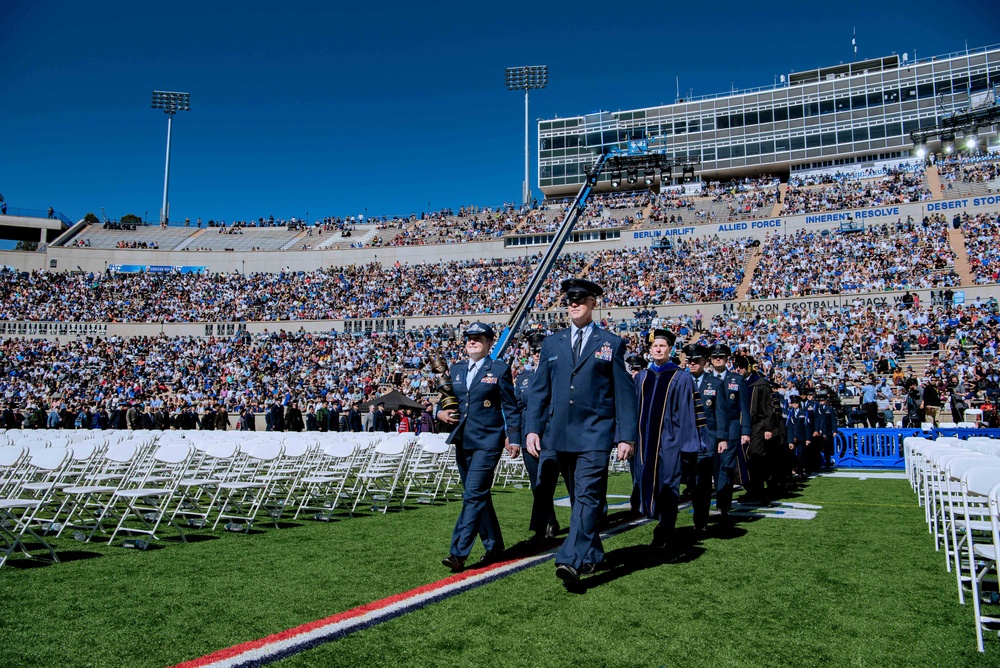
527	78
170	103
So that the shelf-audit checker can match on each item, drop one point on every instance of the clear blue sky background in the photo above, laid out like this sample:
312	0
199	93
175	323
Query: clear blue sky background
335	108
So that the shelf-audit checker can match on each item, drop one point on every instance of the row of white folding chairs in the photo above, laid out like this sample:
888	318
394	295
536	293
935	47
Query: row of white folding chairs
147	479
959	484
36	481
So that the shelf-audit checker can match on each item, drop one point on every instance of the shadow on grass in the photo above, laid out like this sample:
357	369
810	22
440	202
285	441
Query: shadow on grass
625	561
65	556
191	538
686	547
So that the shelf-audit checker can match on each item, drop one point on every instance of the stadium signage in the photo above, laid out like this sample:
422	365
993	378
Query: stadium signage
656	234
808	304
157	269
884	212
753	225
953	204
963	203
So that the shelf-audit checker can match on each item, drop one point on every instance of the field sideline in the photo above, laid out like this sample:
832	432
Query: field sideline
860	585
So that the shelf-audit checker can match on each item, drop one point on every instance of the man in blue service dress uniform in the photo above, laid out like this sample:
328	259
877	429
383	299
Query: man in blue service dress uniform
485	394
702	464
668	434
543	475
734	427
581	403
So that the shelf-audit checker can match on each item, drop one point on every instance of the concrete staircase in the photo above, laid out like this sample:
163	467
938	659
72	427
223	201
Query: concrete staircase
934	182
962	267
646	212
752	262
780	204
187	242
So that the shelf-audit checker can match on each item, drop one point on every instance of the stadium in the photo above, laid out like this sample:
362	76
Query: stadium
847	236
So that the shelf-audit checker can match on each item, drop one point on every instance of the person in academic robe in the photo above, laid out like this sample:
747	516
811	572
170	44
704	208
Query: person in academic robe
665	395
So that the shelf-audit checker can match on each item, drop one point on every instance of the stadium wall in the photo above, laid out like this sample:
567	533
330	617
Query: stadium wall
98	260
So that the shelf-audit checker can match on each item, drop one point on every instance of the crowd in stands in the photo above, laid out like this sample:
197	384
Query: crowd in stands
968	169
666	208
982	243
745	198
694	270
135	245
843	348
846	191
901	256
703	269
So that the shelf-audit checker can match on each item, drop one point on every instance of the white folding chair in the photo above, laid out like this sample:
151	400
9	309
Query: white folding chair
19	513
88	503
155	487
251	480
380	478
957	514
12	460
323	487
981	485
211	467
426	469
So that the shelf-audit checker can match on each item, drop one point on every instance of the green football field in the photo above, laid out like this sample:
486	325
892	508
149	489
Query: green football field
859	584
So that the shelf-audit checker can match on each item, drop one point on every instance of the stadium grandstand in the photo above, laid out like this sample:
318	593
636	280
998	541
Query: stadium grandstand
845	116
815	234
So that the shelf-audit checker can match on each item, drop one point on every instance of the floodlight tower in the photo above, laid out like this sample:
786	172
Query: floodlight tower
170	103
526	78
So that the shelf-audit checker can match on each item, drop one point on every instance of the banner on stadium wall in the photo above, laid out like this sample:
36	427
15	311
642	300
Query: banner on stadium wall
157	269
869	216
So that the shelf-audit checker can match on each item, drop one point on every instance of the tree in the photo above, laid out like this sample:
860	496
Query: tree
91	219
26	246
131	219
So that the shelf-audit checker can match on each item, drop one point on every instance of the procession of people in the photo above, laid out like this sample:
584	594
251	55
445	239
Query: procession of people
691	428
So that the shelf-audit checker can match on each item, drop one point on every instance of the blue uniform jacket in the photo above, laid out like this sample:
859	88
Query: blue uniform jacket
484	406
797	426
715	418
584	406
735	406
521	386
826	421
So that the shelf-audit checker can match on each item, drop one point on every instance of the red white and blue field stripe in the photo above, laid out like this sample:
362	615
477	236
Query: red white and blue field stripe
313	634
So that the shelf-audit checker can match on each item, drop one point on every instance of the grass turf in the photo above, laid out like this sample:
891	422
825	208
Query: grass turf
859	585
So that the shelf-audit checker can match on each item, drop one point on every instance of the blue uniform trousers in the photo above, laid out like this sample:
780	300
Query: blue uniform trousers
543	474
586	476
476	468
726	465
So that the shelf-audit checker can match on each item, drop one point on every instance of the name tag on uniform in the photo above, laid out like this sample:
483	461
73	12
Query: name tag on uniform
553	359
490	379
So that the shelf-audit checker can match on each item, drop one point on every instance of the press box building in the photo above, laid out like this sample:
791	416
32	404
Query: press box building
841	115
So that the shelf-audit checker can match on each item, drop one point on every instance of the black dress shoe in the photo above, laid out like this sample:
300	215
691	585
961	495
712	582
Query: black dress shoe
537	539
456	564
491	557
551	530
567	574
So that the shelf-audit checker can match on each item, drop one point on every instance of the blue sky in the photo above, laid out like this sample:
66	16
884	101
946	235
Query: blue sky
387	107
